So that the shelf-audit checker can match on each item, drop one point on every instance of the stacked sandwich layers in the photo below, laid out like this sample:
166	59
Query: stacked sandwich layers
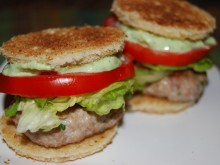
169	41
70	85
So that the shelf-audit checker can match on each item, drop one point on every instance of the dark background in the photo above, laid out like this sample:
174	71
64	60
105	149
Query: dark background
22	16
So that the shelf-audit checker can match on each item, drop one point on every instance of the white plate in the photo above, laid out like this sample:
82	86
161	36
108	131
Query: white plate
191	137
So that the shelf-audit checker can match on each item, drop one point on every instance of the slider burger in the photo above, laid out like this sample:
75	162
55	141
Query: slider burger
69	85
169	41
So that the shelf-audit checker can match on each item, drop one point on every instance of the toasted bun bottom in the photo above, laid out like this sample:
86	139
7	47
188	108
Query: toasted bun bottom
151	104
24	147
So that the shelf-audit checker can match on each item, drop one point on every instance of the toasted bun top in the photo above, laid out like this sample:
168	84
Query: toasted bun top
169	18
61	46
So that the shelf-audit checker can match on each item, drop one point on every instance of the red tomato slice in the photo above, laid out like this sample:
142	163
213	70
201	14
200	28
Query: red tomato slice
148	56
54	85
110	21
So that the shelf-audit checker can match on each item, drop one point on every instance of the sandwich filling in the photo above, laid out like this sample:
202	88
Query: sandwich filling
41	113
180	83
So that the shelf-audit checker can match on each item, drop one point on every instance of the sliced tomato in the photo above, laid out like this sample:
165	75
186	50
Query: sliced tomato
110	21
53	85
148	56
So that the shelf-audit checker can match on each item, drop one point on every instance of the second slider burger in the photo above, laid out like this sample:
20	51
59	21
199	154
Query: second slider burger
169	41
70	85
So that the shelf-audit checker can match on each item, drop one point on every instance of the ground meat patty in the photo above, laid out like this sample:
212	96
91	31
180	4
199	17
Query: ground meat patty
79	125
179	86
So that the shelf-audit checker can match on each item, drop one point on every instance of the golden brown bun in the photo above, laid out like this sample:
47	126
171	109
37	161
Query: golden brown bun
24	147
149	104
169	18
60	46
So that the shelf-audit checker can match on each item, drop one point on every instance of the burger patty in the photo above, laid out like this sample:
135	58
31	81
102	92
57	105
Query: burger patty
79	123
179	86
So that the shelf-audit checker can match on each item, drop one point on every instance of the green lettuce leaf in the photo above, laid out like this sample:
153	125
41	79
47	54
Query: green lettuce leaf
40	102
12	109
34	118
40	114
200	66
108	98
144	76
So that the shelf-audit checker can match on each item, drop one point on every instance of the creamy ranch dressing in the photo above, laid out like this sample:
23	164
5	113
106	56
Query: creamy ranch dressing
34	68
163	44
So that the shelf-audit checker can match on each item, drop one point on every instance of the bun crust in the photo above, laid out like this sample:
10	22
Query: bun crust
63	46
156	105
176	19
24	147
